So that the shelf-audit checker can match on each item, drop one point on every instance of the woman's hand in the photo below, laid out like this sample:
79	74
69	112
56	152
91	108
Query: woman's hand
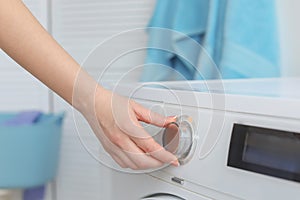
122	136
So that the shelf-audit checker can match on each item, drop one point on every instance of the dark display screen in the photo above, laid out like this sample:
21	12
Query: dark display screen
266	151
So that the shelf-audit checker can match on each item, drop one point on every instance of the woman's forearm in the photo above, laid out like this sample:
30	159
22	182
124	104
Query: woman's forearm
27	42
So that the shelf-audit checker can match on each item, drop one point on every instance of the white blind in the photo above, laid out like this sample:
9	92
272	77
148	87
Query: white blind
79	26
18	89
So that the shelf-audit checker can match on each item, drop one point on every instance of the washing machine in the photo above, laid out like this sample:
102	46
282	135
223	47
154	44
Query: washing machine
235	139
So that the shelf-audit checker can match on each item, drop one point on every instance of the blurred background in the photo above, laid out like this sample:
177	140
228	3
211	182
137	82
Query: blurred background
79	26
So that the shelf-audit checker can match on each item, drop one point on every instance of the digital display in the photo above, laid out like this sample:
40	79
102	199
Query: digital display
277	151
266	151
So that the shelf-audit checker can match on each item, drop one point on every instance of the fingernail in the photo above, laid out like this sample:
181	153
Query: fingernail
175	163
173	117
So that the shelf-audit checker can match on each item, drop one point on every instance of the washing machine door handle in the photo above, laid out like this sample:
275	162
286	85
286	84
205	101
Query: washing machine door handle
162	197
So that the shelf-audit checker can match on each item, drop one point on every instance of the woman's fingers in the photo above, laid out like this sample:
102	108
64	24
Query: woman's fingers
150	117
140	159
124	137
140	148
123	160
119	161
150	146
144	141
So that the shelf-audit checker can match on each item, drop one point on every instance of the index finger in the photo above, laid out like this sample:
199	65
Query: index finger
150	146
150	117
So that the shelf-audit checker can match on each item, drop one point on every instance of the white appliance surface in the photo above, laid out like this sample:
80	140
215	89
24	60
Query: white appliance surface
253	96
216	107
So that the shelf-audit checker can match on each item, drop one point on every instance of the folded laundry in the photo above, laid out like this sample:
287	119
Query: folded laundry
37	193
23	118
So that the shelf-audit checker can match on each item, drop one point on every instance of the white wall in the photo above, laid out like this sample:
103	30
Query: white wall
289	16
18	89
80	25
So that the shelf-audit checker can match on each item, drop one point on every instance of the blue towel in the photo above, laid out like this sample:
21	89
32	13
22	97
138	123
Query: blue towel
27	118
174	49
251	44
240	36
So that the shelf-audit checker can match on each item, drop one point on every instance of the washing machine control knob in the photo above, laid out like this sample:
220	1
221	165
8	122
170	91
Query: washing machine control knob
178	138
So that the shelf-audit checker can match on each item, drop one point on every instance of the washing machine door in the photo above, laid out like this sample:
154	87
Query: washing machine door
162	197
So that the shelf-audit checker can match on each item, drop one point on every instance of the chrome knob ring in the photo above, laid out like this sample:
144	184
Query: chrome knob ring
179	138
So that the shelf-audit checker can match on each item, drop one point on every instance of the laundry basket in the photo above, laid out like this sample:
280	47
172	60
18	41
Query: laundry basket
29	154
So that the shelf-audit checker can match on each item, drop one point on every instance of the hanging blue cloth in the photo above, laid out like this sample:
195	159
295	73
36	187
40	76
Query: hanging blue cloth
188	20
239	36
251	44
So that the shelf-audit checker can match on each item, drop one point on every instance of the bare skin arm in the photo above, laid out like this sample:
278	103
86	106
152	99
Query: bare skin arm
26	41
29	44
